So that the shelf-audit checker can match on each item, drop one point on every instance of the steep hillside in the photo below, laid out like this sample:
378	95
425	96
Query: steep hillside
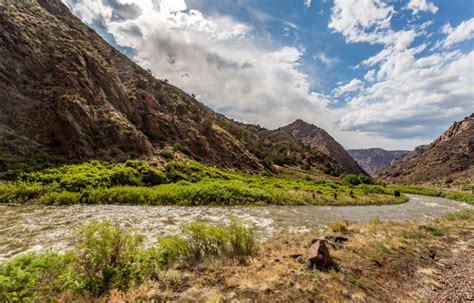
319	139
448	158
375	159
66	93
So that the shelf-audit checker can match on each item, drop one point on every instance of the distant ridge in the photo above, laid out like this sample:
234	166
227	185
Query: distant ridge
318	139
449	157
373	160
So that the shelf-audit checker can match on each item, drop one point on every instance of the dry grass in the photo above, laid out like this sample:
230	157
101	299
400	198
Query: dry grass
383	261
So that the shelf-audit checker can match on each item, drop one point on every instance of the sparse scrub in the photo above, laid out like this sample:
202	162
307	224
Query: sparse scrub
107	256
338	226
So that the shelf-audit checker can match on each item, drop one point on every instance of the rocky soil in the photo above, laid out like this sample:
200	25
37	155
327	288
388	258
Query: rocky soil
455	278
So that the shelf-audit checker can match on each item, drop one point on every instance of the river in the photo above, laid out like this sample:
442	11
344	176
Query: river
36	227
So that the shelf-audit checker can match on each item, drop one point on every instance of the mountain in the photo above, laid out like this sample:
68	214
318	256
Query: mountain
449	157
318	139
375	159
65	93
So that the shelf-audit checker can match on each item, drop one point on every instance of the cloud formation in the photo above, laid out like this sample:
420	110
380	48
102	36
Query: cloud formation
217	58
418	6
463	32
398	97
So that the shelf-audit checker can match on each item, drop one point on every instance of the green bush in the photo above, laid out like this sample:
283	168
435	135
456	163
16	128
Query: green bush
167	154
351	179
34	277
106	257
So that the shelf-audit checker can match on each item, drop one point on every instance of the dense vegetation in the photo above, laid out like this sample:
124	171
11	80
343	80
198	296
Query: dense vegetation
107	256
183	183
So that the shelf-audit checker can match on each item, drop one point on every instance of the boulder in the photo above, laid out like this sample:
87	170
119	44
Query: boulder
318	256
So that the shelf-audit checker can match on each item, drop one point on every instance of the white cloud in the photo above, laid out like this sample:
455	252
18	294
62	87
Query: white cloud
352	86
406	96
418	6
463	32
361	20
326	60
221	61
307	3
416	96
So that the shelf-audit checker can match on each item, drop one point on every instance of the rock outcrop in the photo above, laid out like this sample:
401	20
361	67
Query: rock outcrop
318	139
373	160
448	158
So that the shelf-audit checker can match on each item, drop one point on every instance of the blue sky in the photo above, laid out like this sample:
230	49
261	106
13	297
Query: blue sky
373	73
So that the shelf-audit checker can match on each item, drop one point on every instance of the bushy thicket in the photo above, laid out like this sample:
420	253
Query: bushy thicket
107	256
183	183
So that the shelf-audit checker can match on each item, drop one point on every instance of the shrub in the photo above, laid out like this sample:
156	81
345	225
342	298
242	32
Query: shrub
172	249
397	193
182	149
242	239
205	240
167	154
34	277
105	257
338	226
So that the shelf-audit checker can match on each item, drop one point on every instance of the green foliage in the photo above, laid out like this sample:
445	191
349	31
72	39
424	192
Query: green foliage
351	179
182	149
358	281
106	257
34	277
418	190
94	174
207	240
463	214
338	226
167	154
183	183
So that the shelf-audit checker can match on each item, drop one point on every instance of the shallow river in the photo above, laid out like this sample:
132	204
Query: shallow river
27	228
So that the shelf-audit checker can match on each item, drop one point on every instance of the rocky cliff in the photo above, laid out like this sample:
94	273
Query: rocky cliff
373	160
318	139
449	157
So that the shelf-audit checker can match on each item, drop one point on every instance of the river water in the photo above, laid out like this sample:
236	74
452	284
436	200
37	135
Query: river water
34	227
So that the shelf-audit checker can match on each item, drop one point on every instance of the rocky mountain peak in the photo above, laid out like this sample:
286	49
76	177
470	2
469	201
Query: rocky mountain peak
318	139
455	129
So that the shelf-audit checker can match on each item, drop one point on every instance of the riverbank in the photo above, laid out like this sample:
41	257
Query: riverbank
467	197
376	261
186	184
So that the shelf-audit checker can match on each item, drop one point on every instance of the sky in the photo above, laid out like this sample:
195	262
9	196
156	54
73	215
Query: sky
392	74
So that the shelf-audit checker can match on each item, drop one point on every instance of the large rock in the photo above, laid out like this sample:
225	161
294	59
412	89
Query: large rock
319	257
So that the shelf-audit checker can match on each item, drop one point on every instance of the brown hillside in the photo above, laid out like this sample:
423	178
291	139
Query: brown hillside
66	93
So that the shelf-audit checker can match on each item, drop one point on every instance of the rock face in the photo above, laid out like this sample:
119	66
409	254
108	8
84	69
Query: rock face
66	93
373	160
318	139
451	156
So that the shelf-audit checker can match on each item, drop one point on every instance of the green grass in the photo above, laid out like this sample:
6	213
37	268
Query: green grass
424	191
107	256
184	183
